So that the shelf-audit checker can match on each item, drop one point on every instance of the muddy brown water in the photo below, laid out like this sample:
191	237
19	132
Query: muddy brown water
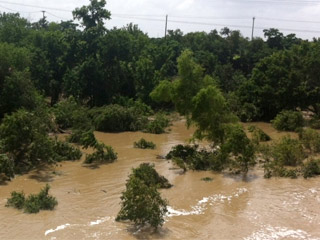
226	208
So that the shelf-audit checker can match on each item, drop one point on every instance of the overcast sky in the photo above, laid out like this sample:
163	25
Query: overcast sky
190	15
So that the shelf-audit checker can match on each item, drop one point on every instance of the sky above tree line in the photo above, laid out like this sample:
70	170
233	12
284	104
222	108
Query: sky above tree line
290	16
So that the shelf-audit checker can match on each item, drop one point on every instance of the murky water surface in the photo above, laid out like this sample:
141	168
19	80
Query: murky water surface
226	208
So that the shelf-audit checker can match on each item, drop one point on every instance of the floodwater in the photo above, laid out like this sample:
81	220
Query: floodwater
226	208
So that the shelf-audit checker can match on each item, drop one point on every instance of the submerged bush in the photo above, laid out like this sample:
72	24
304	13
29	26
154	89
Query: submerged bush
103	154
310	139
65	151
144	144
85	138
146	173
141	202
288	152
17	200
116	118
158	125
34	202
311	168
288	121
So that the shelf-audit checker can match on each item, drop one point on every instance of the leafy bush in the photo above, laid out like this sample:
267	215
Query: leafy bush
85	138
138	106
311	168
288	121
142	204
6	167
158	125
66	151
146	173
68	113
315	122
207	179
103	154
310	139
116	118
34	147
189	157
144	144
34	202
17	200
288	152
239	148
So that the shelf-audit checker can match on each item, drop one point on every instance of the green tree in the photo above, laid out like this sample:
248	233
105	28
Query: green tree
142	204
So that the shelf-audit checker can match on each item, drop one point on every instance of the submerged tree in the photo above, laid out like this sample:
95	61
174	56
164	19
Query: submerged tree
141	202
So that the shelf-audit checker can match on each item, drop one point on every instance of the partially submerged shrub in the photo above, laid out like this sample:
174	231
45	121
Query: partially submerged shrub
116	118
103	154
288	121
17	200
310	139
207	179
65	151
142	203
150	176
311	168
288	152
34	202
144	144
85	138
158	125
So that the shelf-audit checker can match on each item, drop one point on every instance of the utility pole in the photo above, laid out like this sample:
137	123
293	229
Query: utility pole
253	19
43	12
166	28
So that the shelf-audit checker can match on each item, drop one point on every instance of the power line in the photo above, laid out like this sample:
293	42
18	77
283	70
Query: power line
36	6
224	25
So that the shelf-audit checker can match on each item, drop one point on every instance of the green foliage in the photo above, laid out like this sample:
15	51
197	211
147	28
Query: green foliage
210	115
103	154
146	173
288	152
241	149
68	113
310	139
34	202
83	137
31	149
142	204
116	118
144	144
158	125
17	200
311	168
163	92
6	167
66	151
190	157
18	92
207	179
288	121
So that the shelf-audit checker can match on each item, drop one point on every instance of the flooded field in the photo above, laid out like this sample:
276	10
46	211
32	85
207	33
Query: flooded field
226	208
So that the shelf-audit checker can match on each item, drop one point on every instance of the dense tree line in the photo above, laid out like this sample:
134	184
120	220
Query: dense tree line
95	65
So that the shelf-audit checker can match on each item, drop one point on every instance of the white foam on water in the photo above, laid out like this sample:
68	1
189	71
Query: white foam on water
61	227
202	205
274	233
99	221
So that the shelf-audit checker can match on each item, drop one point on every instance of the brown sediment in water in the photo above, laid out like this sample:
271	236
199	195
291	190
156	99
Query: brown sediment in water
225	208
